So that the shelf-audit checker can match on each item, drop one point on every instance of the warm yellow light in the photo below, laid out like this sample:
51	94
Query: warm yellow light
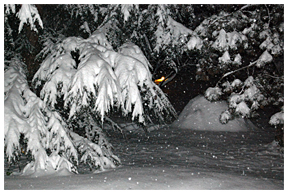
159	80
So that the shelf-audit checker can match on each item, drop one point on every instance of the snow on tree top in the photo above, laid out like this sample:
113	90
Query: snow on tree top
30	13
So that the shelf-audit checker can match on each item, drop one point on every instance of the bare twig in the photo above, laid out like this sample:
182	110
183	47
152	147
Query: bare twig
245	6
268	15
158	66
107	17
172	77
242	8
231	72
147	42
115	125
275	77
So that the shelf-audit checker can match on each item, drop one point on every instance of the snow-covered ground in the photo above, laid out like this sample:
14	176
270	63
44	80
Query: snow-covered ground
177	157
170	158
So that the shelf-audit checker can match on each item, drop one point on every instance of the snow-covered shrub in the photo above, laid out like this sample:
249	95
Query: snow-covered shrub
231	40
244	98
195	43
232	87
225	117
242	109
237	60
234	100
272	43
227	87
225	58
236	83
263	59
221	41
277	119
213	94
232	43
237	42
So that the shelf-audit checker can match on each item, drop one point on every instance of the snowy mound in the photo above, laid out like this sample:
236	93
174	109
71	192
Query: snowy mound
201	114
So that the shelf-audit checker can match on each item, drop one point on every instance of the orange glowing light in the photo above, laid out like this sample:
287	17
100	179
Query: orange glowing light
157	81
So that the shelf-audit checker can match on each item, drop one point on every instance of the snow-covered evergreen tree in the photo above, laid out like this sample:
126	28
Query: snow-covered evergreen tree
25	114
52	145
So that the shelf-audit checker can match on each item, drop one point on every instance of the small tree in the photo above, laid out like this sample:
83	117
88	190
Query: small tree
47	140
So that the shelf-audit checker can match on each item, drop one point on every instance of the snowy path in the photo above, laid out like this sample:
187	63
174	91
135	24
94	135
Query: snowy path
174	159
241	153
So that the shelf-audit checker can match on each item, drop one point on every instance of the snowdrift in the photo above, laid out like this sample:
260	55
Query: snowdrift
201	114
139	178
